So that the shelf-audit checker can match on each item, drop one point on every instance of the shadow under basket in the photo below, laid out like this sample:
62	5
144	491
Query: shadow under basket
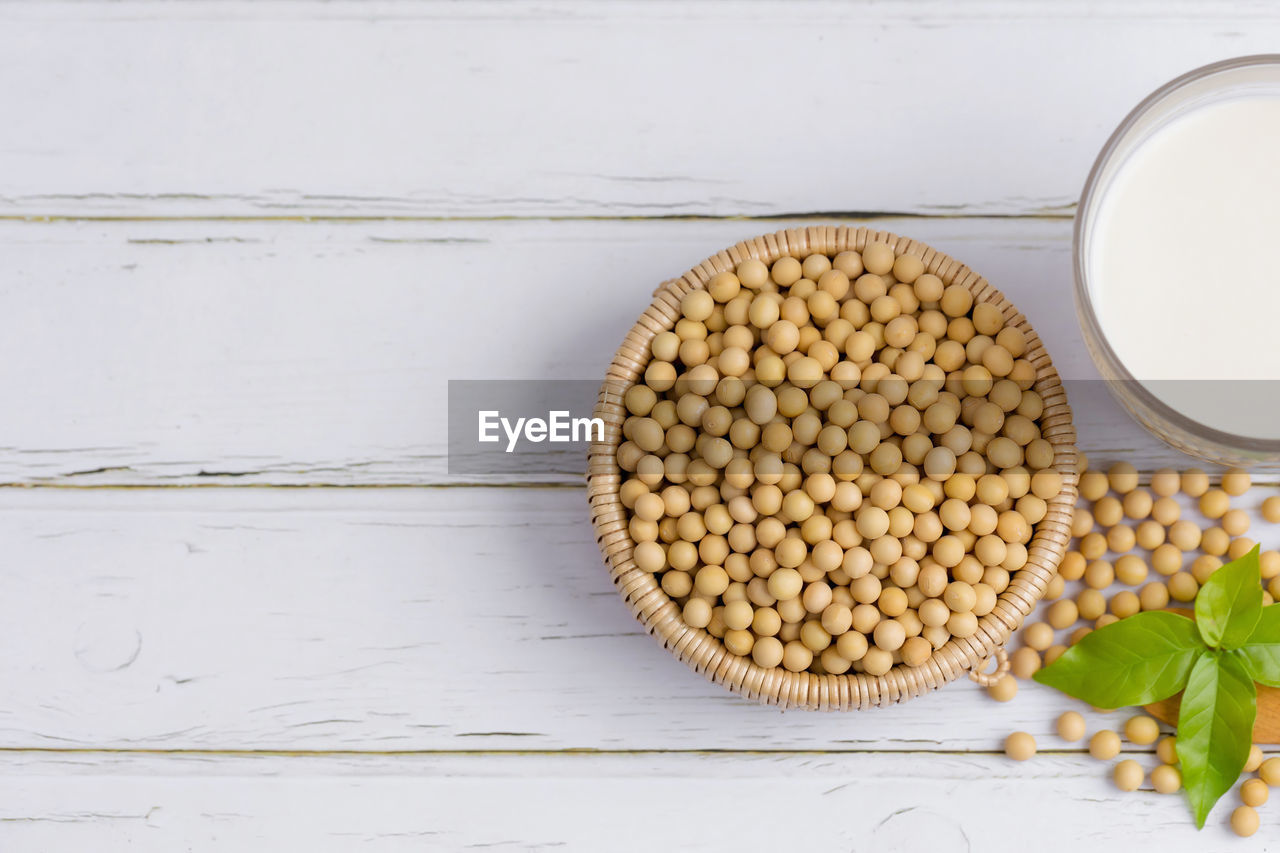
706	654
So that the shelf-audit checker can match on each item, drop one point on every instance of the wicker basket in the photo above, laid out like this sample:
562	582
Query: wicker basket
706	654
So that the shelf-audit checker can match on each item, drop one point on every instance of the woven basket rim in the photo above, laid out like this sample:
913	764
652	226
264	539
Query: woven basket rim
706	654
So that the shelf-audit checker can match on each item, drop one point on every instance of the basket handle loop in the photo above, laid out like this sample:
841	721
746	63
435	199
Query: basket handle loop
986	679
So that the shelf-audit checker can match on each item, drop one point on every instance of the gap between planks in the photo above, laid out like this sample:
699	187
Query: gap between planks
11	751
222	484
1267	480
1063	213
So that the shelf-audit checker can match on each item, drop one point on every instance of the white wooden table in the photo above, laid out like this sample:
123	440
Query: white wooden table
243	605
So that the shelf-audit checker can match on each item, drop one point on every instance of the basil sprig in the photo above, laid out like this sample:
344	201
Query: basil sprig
1215	660
1214	727
1261	652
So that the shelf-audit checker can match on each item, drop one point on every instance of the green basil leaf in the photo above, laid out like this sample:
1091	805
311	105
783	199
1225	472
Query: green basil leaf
1261	652
1230	603
1215	729
1143	658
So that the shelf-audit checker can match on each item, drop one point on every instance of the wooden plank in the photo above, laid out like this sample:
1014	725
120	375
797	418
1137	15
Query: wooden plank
432	109
284	353
694	802
378	619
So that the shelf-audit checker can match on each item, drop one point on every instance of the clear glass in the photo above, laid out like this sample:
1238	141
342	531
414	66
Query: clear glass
1219	81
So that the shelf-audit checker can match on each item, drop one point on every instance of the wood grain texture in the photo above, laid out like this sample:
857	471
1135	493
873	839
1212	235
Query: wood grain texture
301	354
693	802
248	243
434	109
378	619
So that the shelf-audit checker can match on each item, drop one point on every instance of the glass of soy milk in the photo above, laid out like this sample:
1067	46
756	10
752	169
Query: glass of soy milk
1177	261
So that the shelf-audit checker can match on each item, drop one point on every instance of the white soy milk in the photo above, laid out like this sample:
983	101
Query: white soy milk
1184	264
